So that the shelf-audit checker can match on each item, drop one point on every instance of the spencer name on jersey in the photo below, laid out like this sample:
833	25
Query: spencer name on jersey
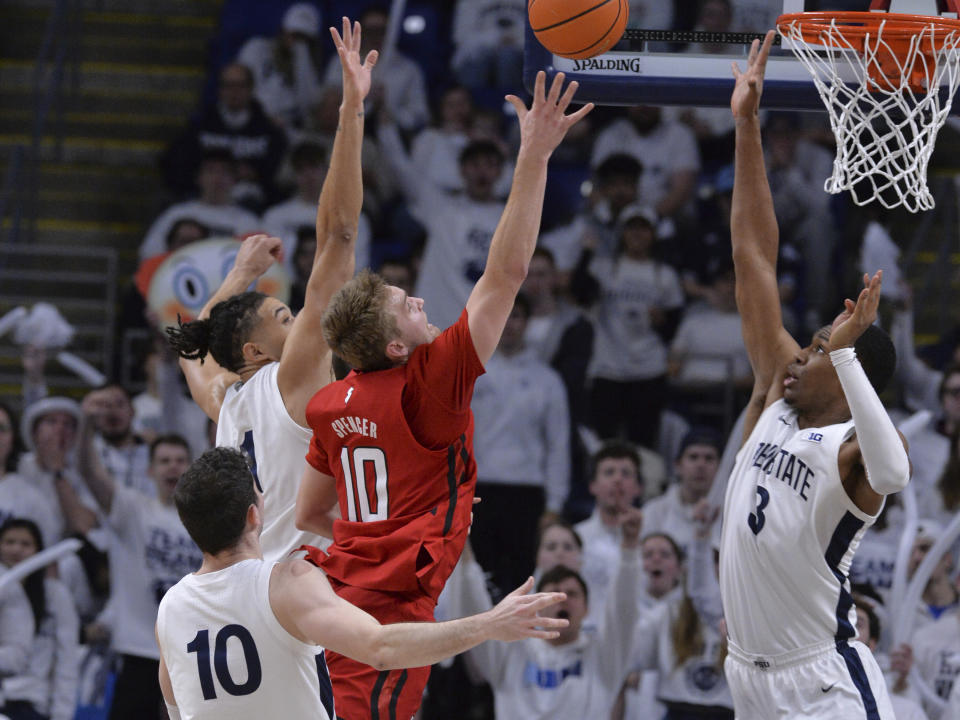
782	464
347	424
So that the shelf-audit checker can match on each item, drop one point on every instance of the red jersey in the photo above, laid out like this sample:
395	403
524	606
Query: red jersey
399	443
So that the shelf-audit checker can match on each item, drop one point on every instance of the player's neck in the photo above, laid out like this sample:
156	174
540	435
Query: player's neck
247	549
249	370
833	413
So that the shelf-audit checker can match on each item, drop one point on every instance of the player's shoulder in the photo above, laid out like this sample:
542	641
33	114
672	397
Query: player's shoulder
173	596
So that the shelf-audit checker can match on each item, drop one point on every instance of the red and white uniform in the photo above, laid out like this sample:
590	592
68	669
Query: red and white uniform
400	444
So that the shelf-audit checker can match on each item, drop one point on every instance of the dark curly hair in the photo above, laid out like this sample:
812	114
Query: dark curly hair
222	335
213	496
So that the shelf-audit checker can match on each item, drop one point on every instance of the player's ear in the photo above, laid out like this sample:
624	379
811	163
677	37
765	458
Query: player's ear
251	352
254	517
397	350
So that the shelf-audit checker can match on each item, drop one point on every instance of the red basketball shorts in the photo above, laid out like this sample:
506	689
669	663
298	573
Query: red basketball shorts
361	692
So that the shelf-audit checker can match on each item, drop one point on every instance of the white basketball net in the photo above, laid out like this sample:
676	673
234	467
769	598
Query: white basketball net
885	130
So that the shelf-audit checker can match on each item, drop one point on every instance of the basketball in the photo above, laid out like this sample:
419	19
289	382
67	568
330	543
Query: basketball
578	29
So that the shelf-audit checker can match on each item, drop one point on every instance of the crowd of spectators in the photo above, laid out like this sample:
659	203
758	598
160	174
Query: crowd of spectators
601	420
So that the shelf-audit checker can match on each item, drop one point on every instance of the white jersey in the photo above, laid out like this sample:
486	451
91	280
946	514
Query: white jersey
253	417
229	657
789	535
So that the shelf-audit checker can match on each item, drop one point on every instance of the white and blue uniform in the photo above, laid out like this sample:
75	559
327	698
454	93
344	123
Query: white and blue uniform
789	535
253	417
229	657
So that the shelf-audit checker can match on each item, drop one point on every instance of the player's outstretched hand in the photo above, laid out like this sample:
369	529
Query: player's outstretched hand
515	617
356	72
857	317
745	101
545	123
257	253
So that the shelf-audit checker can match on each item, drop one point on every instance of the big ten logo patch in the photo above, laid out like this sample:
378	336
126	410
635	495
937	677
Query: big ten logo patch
814	437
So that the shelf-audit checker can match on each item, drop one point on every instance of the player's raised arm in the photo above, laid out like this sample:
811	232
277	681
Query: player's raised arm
755	237
305	365
208	382
542	127
877	457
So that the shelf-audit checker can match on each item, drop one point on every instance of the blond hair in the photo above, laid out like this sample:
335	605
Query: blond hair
357	325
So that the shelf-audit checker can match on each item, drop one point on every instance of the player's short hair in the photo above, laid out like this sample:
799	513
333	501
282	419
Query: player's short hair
169	439
619	165
222	335
357	325
213	496
877	356
479	149
558	574
615	449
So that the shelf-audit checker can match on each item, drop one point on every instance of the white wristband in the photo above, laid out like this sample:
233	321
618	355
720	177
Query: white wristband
843	356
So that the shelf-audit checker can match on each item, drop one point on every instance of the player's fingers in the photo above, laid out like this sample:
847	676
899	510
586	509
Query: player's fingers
555	88
580	114
545	600
765	49
371	60
337	40
523	589
356	35
754	49
518	105
347	32
542	634
539	87
545	622
567	96
736	70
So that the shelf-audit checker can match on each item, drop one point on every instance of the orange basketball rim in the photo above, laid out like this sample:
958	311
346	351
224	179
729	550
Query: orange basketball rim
906	39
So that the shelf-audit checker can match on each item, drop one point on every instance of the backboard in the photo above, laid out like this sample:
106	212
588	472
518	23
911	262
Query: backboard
645	69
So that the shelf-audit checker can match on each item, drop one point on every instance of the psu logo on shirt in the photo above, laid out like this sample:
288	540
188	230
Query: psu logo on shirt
814	437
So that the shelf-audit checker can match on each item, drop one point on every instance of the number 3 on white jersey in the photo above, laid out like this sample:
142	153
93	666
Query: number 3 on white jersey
354	476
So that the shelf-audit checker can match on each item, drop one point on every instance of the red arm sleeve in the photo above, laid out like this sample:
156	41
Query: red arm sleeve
439	386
